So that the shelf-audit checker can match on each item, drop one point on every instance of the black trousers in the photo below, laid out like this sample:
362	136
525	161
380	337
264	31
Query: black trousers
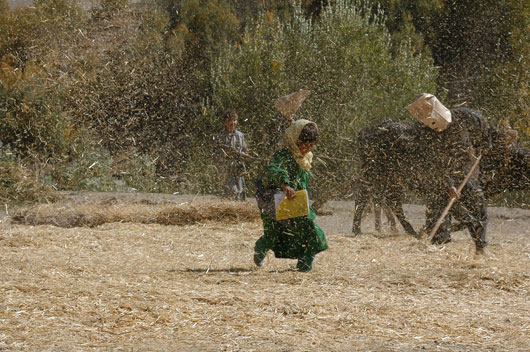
469	209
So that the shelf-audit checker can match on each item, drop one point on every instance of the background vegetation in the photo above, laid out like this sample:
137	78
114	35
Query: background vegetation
126	96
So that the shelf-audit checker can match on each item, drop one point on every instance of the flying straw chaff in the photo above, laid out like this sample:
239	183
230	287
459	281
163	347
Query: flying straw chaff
453	199
348	185
289	104
229	150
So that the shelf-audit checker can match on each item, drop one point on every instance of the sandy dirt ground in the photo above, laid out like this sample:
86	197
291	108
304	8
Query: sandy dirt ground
142	286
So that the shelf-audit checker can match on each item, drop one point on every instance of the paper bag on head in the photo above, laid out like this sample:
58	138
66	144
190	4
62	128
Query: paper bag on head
429	110
288	104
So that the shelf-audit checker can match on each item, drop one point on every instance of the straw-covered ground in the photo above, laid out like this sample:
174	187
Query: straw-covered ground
139	273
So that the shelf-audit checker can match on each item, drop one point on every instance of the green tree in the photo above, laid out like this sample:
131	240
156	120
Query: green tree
410	20
32	120
27	124
205	25
504	91
470	36
37	127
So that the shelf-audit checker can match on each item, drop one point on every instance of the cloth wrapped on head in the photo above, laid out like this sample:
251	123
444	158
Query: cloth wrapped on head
290	141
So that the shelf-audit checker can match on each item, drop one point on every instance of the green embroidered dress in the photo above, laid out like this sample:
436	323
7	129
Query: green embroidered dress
298	238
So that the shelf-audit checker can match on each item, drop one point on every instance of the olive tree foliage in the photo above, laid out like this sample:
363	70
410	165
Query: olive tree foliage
40	71
504	90
34	127
145	94
411	20
345	59
202	27
128	91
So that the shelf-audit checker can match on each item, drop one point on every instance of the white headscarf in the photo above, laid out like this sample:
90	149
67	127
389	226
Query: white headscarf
290	139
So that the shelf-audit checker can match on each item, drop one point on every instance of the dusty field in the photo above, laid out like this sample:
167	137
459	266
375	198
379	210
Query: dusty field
138	285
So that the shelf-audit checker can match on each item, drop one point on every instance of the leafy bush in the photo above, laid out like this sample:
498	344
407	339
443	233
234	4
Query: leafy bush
4	6
110	7
504	91
29	126
208	25
18	185
139	173
141	94
36	128
91	171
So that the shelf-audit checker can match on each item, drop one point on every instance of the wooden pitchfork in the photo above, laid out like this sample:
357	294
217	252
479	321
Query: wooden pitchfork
453	199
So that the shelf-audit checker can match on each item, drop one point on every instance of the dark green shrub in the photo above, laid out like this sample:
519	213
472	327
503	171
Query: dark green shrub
209	25
4	6
139	173
19	185
113	6
28	124
90	169
503	94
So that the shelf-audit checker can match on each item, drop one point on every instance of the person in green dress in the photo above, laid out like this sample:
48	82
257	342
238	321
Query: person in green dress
289	170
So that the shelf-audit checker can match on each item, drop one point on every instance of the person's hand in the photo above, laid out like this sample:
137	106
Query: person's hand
288	191
243	156
453	192
225	154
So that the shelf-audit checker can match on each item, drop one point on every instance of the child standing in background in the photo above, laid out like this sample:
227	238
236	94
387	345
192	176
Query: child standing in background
230	151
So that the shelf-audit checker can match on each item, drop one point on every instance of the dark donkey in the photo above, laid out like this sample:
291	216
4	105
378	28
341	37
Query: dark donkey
386	165
507	167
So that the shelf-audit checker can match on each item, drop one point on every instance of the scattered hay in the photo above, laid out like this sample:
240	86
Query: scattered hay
150	287
111	210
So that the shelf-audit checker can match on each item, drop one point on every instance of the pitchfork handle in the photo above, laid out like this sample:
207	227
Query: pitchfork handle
453	199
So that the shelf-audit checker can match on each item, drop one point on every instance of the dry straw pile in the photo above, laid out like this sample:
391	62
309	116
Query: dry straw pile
141	285
145	212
